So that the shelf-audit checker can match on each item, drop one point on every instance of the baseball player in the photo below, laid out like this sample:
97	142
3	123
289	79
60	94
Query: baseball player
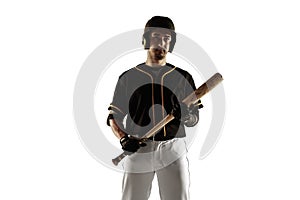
143	96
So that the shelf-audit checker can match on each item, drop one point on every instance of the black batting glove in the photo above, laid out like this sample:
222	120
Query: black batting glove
130	145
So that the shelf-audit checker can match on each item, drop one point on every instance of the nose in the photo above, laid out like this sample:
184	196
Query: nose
161	42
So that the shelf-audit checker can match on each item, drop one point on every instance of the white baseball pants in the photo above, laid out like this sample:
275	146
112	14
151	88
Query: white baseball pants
166	159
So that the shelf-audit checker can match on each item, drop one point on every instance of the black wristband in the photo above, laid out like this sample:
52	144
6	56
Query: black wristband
123	139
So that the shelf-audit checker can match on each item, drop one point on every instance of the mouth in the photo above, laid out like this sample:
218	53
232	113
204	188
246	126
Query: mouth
159	50
159	53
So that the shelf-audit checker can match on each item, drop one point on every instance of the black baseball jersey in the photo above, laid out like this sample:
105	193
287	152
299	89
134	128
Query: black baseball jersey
144	95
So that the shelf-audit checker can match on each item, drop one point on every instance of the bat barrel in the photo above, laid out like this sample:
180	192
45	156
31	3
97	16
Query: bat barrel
203	89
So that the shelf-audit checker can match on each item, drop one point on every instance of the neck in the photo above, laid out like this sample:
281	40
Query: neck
152	62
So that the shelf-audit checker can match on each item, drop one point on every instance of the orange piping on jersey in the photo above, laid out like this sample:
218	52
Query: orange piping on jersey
162	95
117	108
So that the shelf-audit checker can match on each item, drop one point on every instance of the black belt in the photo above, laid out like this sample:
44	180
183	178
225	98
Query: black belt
163	138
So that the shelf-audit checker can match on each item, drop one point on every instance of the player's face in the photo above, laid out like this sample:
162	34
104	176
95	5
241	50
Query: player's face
160	40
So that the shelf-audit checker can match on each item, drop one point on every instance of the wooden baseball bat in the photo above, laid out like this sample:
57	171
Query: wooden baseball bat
189	100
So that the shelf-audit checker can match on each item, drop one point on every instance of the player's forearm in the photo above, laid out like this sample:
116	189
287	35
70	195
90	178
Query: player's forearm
116	129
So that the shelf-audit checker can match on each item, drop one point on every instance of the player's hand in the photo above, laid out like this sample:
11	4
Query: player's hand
130	144
181	112
186	114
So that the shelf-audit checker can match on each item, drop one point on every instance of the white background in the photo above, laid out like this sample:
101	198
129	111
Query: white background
254	44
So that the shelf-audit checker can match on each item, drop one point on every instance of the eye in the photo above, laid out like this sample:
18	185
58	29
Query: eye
167	38
155	35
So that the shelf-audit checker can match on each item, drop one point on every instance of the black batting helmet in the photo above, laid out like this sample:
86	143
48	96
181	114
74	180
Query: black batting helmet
159	22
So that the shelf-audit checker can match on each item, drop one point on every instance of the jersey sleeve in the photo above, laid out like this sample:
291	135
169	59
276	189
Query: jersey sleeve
191	82
118	109
194	111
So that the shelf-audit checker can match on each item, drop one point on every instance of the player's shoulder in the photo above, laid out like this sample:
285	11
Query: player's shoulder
123	74
130	71
180	70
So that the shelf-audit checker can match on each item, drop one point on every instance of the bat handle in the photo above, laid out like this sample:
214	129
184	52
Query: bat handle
117	159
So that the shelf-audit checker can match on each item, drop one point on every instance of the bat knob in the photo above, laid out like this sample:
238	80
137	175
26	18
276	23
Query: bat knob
115	161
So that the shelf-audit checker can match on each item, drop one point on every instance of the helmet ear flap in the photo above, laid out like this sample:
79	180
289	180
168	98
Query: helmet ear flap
145	40
173	41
